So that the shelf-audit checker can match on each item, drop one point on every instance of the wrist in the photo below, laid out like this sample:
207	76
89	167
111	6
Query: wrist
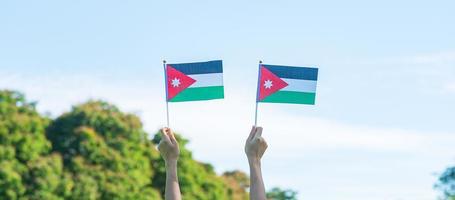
253	161
171	163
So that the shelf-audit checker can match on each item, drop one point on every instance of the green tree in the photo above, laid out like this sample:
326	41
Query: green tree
238	182
447	183
280	194
27	169
106	151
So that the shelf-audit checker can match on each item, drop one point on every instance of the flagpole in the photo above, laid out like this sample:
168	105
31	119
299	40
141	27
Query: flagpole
257	95
165	87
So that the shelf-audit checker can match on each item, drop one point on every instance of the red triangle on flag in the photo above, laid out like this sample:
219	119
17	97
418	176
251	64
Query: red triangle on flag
269	83
176	82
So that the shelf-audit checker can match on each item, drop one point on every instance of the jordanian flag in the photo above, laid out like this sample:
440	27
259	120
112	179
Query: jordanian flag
194	81
284	84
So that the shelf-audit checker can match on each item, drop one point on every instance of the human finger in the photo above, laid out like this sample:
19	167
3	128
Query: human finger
172	137
164	135
252	132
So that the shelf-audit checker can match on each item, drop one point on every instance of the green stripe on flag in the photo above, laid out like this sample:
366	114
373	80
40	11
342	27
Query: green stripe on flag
291	97
199	93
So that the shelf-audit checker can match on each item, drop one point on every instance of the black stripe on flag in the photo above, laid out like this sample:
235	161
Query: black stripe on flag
304	73
215	66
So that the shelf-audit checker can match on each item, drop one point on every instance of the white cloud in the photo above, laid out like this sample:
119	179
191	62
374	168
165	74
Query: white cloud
450	87
429	73
432	58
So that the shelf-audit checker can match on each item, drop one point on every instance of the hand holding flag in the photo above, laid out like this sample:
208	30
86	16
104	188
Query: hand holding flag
255	145
168	146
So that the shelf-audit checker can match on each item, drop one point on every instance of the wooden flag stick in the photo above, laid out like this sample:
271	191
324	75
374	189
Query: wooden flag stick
165	87
256	115
257	94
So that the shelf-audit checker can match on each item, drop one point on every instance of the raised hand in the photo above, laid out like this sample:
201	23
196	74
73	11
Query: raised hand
169	149
168	146
255	144
254	148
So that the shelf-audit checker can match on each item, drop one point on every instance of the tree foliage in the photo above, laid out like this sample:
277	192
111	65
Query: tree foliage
447	183
238	183
106	152
279	194
28	170
95	151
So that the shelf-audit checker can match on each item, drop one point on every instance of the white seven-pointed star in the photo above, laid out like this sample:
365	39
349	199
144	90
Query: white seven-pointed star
268	84
175	82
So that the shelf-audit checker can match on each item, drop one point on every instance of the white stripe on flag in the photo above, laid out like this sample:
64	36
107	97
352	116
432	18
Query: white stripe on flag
207	80
298	85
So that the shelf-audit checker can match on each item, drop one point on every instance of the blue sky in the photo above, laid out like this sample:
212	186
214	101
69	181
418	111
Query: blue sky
383	124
